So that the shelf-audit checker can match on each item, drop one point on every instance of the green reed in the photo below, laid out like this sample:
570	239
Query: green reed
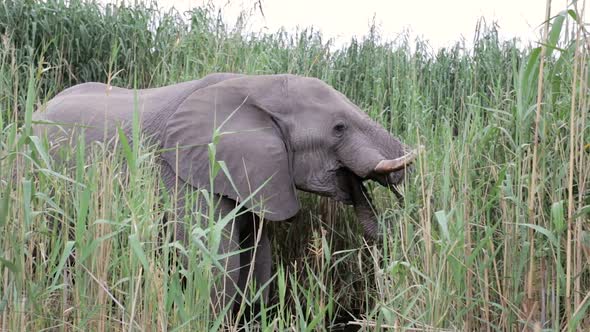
83	246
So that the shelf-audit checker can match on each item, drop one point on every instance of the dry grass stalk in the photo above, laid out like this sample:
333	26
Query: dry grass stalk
571	227
530	291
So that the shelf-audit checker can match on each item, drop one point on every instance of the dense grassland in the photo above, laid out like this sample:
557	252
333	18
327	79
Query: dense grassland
493	234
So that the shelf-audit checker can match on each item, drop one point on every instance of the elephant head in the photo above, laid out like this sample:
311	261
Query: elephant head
282	133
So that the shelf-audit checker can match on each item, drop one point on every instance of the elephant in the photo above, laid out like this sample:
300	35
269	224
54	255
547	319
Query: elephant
281	133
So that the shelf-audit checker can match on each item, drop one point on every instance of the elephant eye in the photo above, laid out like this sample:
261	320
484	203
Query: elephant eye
339	129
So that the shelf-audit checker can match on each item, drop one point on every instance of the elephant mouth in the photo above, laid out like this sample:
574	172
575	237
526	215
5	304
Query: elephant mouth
388	173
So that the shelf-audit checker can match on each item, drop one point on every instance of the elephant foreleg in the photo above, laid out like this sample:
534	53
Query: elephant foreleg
227	279
263	265
258	252
226	285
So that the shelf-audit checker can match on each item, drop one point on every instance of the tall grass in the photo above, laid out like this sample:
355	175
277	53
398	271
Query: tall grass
479	243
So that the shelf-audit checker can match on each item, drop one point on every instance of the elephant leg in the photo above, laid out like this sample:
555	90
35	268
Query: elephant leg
226	285
255	239
263	264
176	189
226	280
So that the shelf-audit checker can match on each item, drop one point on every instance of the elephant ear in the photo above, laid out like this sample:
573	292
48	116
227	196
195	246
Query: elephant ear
252	146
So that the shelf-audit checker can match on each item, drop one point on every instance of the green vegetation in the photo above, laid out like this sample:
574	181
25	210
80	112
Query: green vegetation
481	242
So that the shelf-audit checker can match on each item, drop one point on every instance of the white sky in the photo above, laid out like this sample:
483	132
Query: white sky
442	22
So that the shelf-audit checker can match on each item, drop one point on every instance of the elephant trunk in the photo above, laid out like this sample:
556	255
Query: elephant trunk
363	208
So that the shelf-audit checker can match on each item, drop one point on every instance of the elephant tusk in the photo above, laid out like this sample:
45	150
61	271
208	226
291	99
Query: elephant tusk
387	166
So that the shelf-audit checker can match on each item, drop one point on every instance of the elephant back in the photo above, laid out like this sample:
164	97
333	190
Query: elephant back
98	110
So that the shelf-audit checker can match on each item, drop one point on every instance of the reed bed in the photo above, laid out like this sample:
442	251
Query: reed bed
493	233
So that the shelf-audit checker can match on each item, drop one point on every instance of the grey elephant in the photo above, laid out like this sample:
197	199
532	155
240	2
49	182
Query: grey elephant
286	132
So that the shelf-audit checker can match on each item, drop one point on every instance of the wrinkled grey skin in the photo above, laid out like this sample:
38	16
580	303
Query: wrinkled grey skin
294	132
